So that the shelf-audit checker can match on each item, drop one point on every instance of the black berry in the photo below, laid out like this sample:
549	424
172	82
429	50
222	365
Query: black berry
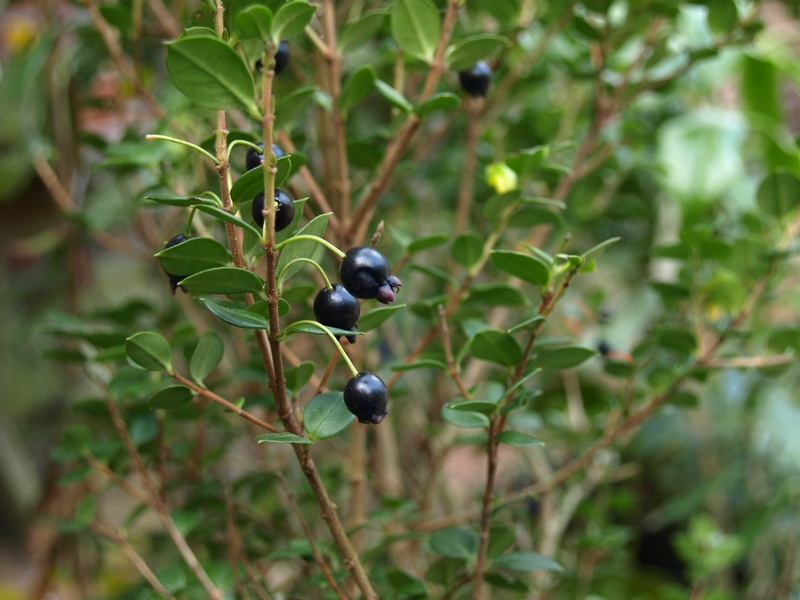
255	159
282	57
284	211
604	348
366	273
475	81
174	280
367	397
336	307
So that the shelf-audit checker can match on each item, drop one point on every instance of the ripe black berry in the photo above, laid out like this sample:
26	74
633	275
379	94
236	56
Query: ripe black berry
367	397
284	212
366	273
174	280
282	57
336	307
475	81
604	348
255	159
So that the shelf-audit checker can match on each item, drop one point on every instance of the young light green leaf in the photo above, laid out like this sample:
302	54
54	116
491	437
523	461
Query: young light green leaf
302	248
496	346
326	416
223	215
171	397
597	250
255	22
150	350
357	86
211	74
465	53
192	256
377	316
524	266
283	437
416	27
235	314
224	280
291	19
206	356
526	561
517	438
393	96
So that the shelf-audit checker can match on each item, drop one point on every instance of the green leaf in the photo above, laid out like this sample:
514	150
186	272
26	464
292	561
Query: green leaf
376	316
291	19
173	200
355	35
501	538
722	16
477	406
524	266
428	242
255	22
171	397
282	437
526	561
293	107
468	249
172	577
595	251
297	377
563	357
150	350
470	50
302	248
496	346
393	96
357	86
779	194
326	416
251	183
465	419
317	329
236	314
206	356
224	280
516	438
444	101
416	26
192	256
223	215
497	294
211	74
455	542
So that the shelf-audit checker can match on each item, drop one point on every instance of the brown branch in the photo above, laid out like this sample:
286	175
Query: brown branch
448	352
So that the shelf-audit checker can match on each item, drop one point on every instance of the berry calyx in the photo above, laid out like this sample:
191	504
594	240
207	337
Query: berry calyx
366	273
476	80
284	210
336	307
367	397
255	159
174	280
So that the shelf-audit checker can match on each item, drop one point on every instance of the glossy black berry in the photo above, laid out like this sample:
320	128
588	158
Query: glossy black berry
366	273
282	57
174	280
604	348
336	307
476	80
367	397
284	212
254	159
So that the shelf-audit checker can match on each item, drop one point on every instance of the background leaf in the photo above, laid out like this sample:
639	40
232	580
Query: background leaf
206	356
150	350
415	27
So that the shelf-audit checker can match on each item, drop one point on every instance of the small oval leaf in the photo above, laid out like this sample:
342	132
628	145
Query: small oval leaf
524	266
376	316
171	397
465	419
192	256
416	26
496	346
455	542
282	437
206	356
236	314
517	438
563	357
150	351
326	416
224	280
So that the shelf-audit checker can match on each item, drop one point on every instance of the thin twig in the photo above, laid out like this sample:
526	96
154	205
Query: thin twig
448	352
